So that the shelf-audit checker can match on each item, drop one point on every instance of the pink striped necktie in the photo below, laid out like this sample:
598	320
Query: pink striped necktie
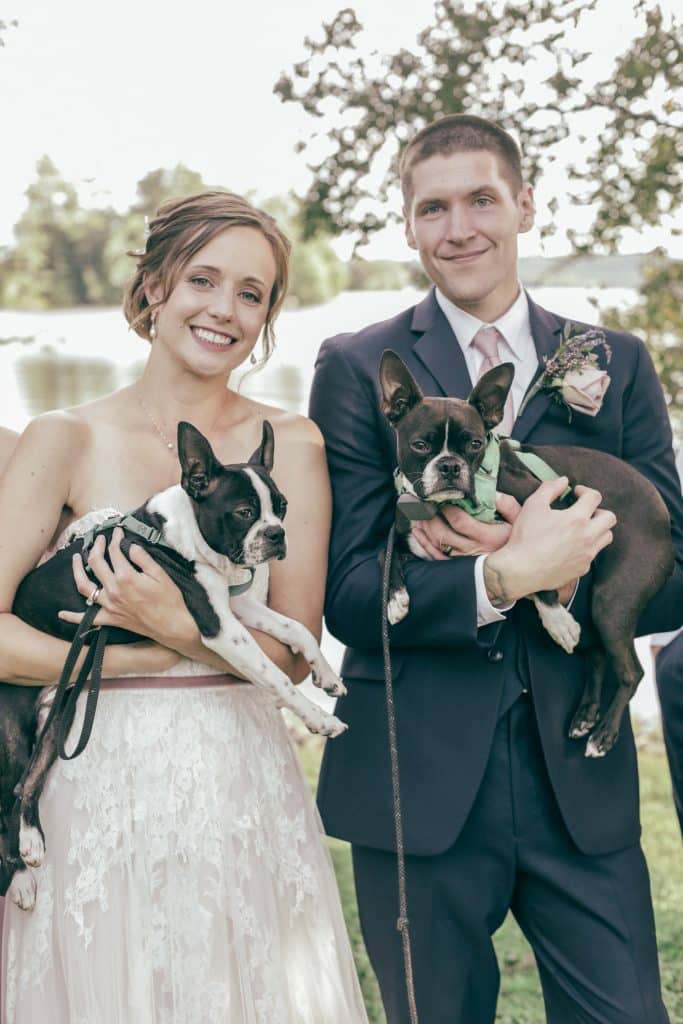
486	341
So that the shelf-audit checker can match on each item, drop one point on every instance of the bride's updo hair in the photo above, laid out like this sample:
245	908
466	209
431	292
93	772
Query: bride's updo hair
180	229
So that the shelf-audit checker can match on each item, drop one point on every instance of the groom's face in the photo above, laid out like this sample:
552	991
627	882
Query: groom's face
463	218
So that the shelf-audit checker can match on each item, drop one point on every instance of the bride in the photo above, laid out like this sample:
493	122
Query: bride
185	878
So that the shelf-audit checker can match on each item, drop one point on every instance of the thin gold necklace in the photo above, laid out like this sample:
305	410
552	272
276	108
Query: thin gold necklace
167	441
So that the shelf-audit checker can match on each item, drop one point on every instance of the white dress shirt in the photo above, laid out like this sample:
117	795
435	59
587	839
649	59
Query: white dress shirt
517	347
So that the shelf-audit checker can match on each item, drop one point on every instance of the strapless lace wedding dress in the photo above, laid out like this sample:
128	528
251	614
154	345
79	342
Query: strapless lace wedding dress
186	880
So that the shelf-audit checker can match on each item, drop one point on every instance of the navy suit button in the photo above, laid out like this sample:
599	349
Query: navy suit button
495	655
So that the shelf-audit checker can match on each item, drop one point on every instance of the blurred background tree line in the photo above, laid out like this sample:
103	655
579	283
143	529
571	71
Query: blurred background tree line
618	141
66	254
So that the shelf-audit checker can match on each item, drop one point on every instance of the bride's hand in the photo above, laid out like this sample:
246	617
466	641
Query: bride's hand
146	602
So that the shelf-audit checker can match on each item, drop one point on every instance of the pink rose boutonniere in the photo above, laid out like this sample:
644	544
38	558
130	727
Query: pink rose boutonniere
572	376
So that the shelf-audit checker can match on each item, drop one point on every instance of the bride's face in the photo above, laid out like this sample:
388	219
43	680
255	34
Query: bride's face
213	317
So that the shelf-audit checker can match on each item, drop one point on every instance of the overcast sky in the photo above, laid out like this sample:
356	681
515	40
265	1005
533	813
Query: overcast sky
111	91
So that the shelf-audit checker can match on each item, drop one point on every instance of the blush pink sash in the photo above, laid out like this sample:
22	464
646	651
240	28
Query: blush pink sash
170	682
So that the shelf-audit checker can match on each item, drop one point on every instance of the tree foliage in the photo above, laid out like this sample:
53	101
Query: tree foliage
480	58
59	255
4	25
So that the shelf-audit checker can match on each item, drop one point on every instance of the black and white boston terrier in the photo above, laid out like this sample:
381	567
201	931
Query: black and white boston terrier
206	531
441	445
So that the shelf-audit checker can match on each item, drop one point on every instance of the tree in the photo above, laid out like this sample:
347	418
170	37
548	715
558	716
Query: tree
4	25
58	257
165	183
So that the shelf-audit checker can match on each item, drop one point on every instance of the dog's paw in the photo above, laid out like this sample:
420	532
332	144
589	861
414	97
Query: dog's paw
583	721
325	679
330	725
398	606
31	845
22	889
560	623
336	688
601	742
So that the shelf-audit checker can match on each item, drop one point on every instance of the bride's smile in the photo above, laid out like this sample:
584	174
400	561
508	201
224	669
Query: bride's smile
216	310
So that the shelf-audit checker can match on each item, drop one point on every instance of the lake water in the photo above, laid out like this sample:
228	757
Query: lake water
62	357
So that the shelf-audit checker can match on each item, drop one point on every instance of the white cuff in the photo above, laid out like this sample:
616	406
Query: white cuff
663	639
486	613
570	602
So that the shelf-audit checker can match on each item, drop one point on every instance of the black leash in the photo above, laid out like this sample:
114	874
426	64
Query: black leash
402	923
66	696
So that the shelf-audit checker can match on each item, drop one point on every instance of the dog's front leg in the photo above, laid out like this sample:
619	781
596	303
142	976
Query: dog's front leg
237	646
293	634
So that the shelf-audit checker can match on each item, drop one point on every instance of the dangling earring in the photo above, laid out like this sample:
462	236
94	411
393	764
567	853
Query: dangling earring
252	359
153	326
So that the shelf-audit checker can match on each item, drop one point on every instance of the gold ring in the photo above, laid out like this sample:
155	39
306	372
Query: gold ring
93	597
447	550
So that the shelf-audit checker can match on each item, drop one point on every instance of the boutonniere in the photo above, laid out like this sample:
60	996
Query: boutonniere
572	375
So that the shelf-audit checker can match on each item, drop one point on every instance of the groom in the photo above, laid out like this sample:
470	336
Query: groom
501	809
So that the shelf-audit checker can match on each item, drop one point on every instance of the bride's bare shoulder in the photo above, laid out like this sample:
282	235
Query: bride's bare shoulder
72	430
8	440
58	430
62	437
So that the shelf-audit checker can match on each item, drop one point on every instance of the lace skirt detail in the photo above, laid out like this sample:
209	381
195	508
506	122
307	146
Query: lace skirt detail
185	880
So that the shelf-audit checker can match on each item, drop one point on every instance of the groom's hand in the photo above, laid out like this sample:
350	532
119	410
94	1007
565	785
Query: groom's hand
453	532
548	549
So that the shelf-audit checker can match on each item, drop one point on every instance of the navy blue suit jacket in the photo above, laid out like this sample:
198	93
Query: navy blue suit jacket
449	676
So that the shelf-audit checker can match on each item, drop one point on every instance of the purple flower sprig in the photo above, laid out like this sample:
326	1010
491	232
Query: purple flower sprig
576	352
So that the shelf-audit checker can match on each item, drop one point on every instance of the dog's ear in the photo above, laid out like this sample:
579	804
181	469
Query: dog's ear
197	462
400	391
490	393
263	456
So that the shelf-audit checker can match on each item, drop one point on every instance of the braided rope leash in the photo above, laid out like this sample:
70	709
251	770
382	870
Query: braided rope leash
402	923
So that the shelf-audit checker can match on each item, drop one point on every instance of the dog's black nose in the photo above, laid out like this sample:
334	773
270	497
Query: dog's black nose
449	468
275	534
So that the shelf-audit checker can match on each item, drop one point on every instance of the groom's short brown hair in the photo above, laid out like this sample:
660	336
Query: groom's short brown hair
461	133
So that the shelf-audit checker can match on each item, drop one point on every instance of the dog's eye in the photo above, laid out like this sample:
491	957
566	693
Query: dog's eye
474	443
419	446
245	512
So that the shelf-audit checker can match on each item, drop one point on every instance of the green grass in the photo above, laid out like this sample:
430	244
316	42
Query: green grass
520	995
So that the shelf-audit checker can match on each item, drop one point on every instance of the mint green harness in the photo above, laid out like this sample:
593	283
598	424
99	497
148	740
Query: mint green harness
486	478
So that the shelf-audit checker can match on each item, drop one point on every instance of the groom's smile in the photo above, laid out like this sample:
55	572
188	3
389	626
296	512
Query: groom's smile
465	257
463	218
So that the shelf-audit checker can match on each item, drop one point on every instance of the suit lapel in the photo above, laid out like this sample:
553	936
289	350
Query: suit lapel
546	330
438	350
